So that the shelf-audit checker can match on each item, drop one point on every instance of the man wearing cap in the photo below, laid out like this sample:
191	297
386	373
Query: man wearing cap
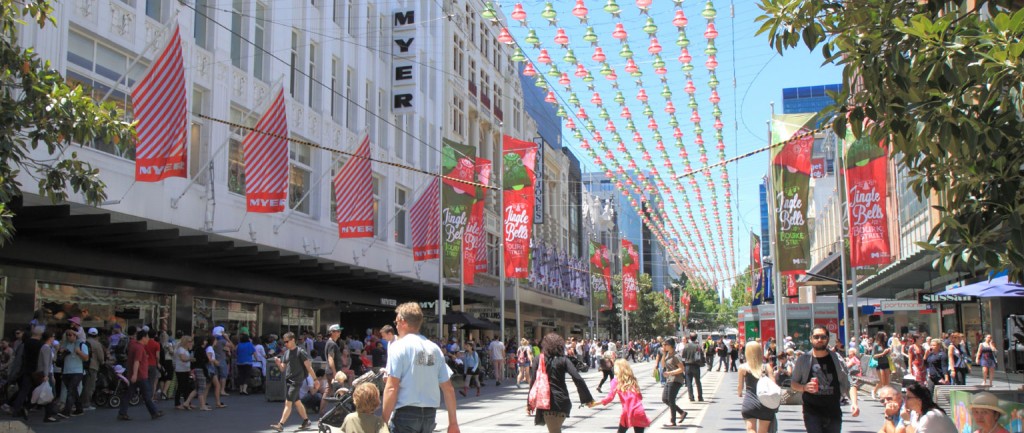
98	357
332	351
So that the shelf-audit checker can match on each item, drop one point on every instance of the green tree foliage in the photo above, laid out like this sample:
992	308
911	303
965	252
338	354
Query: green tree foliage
38	109
707	311
940	80
739	294
652	317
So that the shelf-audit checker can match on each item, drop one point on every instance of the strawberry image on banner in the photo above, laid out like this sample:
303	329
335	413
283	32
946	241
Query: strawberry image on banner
866	174
518	178
630	268
265	151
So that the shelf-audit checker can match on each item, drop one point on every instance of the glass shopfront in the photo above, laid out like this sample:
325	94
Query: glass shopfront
100	307
208	313
298	320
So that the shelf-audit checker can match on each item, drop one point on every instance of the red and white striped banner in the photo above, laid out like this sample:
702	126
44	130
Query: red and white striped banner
426	223
353	191
265	151
160	103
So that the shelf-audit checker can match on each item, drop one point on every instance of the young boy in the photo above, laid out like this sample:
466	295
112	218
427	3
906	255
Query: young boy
366	398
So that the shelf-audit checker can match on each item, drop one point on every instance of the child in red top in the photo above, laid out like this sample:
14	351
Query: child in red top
625	386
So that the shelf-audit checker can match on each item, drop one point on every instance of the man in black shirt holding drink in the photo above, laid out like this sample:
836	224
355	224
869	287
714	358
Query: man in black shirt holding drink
822	376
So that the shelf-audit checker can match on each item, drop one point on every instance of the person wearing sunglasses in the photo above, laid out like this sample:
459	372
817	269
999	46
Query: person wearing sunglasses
296	365
823	378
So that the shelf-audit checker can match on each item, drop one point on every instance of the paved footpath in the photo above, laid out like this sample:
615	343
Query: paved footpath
498	409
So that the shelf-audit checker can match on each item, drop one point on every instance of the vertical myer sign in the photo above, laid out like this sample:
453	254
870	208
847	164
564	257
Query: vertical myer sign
403	66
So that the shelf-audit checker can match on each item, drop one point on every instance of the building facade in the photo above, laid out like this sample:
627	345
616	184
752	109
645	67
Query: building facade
184	253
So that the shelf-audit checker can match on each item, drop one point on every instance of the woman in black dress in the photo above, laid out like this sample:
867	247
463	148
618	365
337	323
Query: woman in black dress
553	350
758	417
880	352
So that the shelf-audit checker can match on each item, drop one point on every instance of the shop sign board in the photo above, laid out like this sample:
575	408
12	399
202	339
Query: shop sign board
404	64
903	306
939	298
827	315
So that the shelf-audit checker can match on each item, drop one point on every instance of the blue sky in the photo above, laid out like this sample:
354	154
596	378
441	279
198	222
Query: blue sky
760	75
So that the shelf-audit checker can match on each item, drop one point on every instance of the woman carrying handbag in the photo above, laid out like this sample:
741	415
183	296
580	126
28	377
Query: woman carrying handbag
549	396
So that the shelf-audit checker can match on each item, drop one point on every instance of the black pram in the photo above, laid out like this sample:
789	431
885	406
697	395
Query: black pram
343	404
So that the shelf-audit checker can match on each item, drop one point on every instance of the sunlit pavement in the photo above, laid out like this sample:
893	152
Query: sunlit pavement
497	409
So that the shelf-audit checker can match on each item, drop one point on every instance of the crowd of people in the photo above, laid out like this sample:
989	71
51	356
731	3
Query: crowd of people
82	368
67	370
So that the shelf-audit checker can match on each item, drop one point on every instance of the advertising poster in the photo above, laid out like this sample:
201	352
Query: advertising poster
827	315
791	176
766	315
517	191
798	325
630	272
474	241
866	174
601	272
960	403
458	164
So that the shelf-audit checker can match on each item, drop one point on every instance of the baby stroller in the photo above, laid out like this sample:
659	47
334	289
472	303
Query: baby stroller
111	387
343	405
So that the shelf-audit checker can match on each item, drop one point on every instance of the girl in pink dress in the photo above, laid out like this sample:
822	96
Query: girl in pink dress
625	386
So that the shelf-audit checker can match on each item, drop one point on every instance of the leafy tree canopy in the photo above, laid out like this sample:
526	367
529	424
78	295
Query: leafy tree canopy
39	110
941	82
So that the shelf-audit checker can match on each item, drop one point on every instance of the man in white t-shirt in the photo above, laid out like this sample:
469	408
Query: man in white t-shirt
417	378
497	352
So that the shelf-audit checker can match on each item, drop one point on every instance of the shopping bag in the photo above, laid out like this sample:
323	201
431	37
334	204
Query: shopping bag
540	394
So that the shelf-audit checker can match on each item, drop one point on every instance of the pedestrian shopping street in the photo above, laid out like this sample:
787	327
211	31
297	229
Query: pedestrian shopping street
497	410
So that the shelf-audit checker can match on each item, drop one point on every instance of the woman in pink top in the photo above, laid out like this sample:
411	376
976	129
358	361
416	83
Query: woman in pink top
625	386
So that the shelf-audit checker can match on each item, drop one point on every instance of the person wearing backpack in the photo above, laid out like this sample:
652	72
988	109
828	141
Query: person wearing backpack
823	378
759	417
693	357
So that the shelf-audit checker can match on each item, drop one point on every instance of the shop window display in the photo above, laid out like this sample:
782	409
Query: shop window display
233	316
298	320
100	307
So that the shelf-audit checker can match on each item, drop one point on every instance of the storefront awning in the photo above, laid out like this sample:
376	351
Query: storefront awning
996	288
87	227
913	272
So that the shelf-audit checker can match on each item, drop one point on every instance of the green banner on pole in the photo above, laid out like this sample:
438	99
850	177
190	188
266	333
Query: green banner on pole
458	165
791	176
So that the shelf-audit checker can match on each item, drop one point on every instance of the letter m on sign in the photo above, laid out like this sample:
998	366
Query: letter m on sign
406	18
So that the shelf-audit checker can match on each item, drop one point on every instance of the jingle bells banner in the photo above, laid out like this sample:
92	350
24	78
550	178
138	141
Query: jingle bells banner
458	164
791	176
630	270
866	175
518	179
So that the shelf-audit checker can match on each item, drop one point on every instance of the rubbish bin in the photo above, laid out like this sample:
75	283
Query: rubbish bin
274	388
